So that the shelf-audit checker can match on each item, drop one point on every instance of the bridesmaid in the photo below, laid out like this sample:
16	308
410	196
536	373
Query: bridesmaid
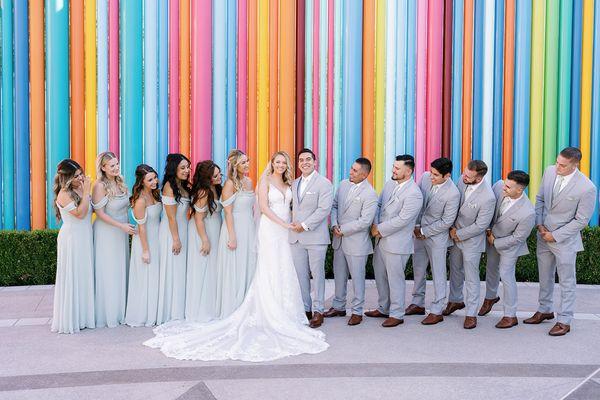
111	241
74	289
173	239
142	299
203	236
237	253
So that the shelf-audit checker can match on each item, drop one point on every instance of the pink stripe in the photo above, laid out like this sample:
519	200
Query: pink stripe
435	60
201	21
315	77
174	76
330	56
242	84
421	87
113	76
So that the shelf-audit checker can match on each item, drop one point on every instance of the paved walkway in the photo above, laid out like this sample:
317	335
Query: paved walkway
364	362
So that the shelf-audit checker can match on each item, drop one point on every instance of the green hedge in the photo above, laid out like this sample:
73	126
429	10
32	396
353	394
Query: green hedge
29	258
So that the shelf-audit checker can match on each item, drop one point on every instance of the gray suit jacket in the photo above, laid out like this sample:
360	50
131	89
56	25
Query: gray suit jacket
512	228
397	215
439	212
474	216
354	217
312	209
570	212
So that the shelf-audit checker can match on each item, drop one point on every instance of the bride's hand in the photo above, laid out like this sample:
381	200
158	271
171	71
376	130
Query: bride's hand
232	244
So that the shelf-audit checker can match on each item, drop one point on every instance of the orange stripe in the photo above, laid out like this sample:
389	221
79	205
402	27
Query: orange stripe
252	100
287	60
368	75
184	77
77	84
38	114
273	66
467	93
509	81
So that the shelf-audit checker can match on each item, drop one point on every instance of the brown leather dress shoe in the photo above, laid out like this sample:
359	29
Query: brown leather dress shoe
308	315
376	314
355	319
487	305
470	322
317	320
507	322
432	319
332	312
391	322
559	329
414	309
451	307
538	318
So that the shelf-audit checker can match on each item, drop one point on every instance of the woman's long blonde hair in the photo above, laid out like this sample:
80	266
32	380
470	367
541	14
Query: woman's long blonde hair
111	187
234	159
287	175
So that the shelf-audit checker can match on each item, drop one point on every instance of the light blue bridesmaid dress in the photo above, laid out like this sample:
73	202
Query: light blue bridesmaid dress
201	287
171	292
74	288
111	262
235	268
142	298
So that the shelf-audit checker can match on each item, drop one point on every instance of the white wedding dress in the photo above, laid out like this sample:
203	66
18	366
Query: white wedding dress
269	324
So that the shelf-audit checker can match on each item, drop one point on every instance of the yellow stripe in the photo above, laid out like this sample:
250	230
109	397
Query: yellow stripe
90	86
263	84
587	51
380	95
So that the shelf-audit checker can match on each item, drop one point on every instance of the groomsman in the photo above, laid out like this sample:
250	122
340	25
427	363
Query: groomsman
564	204
309	237
507	241
398	208
433	225
354	207
476	210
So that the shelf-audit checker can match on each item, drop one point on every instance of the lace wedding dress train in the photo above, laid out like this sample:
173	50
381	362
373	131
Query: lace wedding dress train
269	324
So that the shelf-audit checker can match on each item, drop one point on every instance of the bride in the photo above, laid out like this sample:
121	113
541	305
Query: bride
270	323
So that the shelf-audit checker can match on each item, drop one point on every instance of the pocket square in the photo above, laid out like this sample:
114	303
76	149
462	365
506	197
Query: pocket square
472	205
310	192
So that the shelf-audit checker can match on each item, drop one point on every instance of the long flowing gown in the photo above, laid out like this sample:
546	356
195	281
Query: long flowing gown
142	298
171	294
270	323
201	289
74	289
111	262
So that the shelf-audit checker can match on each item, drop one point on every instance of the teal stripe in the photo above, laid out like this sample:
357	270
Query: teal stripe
8	123
57	95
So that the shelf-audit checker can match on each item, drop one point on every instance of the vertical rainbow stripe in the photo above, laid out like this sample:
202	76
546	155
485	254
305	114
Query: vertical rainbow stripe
510	82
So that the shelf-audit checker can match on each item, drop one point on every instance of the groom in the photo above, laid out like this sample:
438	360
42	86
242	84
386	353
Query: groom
309	237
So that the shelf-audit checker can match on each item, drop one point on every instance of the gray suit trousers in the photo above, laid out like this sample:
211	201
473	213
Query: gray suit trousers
310	260
501	267
344	264
464	269
436	257
552	260
390	280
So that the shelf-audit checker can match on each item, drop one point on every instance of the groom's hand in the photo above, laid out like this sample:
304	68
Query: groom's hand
296	227
336	231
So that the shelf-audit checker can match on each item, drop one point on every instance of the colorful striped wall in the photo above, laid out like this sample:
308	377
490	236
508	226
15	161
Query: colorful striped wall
510	82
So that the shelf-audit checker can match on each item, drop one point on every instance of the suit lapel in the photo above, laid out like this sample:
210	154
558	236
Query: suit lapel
572	183
513	210
497	212
548	189
310	184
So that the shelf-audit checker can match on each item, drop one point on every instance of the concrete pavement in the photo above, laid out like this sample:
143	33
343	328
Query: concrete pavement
367	361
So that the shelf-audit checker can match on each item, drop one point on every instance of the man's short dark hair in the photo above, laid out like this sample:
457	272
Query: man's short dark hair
443	165
520	177
364	163
571	153
408	160
309	151
478	166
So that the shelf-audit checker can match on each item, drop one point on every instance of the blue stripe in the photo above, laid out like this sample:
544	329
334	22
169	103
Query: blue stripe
522	85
